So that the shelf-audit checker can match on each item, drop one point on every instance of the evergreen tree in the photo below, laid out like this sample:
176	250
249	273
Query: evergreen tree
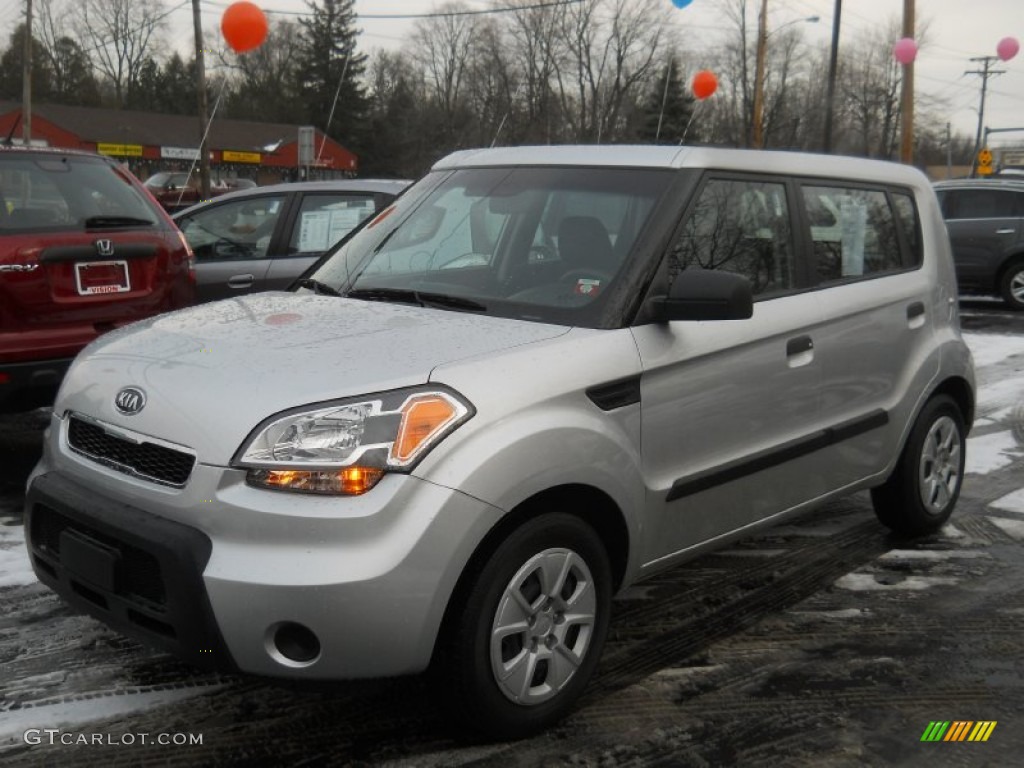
12	71
326	52
73	80
678	107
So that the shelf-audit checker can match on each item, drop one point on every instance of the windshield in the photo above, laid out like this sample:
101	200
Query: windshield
542	244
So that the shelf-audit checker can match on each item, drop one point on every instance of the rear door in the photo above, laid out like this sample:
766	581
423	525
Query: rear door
876	341
82	249
317	222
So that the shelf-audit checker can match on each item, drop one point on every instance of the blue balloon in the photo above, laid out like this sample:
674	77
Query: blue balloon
681	3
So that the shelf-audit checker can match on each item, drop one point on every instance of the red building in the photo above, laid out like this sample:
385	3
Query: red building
149	142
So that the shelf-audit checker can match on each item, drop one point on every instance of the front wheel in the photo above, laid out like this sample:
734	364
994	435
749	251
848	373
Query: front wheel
920	495
531	630
1011	286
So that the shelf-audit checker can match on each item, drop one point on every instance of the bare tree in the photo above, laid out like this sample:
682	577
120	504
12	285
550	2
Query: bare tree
536	54
119	35
443	46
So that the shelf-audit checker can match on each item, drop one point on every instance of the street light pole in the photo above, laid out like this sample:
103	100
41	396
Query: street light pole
757	139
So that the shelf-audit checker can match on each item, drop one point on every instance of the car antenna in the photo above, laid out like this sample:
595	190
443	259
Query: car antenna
9	141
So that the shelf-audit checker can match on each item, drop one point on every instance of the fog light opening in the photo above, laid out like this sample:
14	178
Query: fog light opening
296	642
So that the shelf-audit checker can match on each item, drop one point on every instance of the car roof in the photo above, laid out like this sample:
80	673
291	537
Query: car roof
1002	183
648	156
373	186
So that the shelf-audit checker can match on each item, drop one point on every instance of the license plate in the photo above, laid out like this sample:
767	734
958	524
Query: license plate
102	277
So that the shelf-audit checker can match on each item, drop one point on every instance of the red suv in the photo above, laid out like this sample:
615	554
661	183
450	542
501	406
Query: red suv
83	249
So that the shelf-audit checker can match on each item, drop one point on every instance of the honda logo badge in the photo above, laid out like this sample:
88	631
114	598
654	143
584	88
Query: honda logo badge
105	247
130	401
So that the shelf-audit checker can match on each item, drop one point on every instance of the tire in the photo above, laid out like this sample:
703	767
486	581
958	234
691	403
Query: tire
1011	286
919	496
542	682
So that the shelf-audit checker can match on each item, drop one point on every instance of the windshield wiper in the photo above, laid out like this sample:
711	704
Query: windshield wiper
316	286
408	296
95	222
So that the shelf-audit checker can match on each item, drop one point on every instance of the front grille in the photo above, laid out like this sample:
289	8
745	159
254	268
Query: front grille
138	576
144	459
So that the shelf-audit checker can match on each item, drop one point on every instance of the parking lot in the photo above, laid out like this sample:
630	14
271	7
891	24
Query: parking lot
823	642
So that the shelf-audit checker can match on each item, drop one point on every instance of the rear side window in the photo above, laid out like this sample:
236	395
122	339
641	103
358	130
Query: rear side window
981	204
740	226
325	219
853	232
906	216
231	231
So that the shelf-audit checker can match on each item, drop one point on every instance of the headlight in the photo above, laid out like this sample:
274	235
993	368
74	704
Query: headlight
347	446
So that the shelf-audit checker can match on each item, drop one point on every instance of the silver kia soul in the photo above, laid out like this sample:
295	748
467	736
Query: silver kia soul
543	374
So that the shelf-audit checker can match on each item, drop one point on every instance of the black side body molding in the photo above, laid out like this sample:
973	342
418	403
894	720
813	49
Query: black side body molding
794	449
616	394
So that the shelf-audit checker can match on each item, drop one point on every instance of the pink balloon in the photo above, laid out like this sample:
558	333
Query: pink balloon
905	50
1007	48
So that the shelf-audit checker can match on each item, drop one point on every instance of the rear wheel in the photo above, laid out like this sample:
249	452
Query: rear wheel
531	630
920	495
1011	286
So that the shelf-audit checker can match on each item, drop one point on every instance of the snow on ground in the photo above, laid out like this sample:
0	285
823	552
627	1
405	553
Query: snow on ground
15	569
987	453
864	582
932	554
990	348
68	714
1014	528
1011	502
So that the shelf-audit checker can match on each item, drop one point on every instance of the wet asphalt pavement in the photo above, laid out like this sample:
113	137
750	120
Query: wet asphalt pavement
823	642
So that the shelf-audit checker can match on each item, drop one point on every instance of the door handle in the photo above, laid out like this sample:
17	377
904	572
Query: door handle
915	314
799	351
241	281
1005	231
799	345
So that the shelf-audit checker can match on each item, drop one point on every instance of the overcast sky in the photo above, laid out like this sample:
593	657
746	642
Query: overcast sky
957	30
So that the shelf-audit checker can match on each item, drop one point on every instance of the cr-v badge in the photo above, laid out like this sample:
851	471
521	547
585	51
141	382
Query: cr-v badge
130	400
18	267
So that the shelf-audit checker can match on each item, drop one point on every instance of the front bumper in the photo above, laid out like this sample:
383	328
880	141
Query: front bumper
369	576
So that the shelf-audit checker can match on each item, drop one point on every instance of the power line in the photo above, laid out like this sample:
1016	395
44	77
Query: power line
428	15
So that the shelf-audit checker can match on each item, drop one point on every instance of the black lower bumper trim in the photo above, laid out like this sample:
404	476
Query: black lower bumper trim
139	573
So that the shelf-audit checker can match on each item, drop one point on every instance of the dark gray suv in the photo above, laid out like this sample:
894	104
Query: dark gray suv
985	219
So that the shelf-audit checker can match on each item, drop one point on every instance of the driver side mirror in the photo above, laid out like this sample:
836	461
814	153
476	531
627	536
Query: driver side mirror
706	294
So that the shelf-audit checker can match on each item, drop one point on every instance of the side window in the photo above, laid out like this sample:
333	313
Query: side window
853	232
906	215
741	227
981	204
239	229
325	219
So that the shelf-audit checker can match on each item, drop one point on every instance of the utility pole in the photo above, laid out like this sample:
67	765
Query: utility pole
762	45
986	72
907	96
204	154
26	79
833	63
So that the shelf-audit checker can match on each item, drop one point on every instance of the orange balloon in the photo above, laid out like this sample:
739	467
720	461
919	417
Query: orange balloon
244	26
704	84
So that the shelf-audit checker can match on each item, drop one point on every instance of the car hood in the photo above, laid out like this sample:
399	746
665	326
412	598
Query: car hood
210	374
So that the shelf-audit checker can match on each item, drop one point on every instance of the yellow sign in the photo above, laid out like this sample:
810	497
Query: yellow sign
985	157
986	170
121	150
229	156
